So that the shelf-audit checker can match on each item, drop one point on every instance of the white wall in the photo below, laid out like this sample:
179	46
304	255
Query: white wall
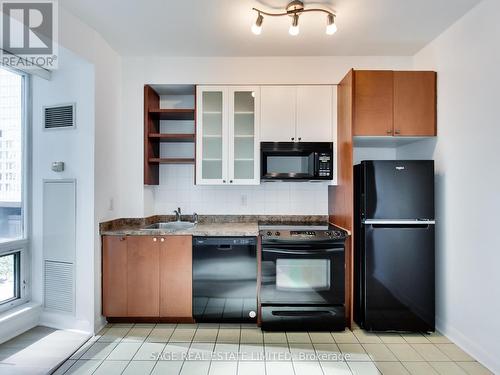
467	59
73	82
290	198
93	158
108	168
373	153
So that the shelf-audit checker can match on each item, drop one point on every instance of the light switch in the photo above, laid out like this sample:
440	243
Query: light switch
57	166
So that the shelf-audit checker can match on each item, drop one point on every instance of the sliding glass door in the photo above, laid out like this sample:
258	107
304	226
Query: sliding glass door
13	183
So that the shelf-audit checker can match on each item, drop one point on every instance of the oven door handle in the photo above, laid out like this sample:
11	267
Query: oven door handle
303	252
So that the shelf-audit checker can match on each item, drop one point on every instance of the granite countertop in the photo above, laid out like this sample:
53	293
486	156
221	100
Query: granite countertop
201	229
208	225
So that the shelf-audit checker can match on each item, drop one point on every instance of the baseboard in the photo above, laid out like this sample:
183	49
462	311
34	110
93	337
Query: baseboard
154	319
64	321
99	323
492	362
19	320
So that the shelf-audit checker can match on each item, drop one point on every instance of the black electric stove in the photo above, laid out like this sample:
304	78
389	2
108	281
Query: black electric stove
303	277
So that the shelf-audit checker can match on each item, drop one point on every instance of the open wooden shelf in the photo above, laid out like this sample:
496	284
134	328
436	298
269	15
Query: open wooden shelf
171	161
162	137
153	136
172	114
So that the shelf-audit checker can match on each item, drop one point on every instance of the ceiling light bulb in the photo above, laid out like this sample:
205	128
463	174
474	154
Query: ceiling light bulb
331	27
257	26
294	27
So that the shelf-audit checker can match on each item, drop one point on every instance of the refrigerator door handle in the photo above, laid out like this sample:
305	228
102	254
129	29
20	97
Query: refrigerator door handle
398	222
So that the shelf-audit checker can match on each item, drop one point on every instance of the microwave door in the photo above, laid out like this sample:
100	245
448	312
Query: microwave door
288	166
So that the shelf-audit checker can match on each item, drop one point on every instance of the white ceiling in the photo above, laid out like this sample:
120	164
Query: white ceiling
222	27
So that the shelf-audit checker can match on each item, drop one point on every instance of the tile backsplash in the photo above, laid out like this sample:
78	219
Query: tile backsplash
177	189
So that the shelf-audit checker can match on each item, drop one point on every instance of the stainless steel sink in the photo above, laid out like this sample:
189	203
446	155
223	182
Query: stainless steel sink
172	225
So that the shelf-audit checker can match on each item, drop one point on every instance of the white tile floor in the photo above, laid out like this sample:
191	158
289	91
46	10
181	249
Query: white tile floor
39	351
212	349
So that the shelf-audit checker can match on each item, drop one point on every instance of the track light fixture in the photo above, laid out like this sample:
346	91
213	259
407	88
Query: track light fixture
257	26
294	10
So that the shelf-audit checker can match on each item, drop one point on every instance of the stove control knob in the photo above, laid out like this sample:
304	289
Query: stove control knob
337	233
328	234
277	233
269	233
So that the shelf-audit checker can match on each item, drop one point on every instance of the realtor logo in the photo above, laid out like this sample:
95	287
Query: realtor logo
29	33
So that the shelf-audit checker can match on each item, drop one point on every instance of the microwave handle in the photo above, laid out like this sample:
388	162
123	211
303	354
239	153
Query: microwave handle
316	164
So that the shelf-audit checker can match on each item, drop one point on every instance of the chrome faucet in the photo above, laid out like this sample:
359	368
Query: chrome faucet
177	214
195	218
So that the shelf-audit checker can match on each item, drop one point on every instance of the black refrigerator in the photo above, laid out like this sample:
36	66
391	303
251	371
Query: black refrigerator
394	245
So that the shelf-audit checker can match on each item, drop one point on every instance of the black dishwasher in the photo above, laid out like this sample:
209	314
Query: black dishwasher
225	279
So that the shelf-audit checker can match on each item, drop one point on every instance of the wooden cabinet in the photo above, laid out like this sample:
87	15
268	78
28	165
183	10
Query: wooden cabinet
392	103
297	113
278	106
147	277
176	276
143	276
373	103
153	135
114	276
227	151
415	103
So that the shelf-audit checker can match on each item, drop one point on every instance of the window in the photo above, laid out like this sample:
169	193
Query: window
11	149
13	182
10	277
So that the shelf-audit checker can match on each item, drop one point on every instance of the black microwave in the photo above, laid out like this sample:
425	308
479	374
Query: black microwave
300	161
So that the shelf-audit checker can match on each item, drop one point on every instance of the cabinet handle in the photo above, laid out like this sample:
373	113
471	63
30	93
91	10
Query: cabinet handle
397	131
389	131
155	239
293	139
123	238
300	138
162	240
230	181
223	181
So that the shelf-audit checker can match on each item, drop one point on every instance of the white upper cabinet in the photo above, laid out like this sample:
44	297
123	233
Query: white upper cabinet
296	113
211	138
278	113
227	140
244	115
314	113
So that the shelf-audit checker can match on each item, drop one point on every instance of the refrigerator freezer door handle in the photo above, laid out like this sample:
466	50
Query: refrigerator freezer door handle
399	222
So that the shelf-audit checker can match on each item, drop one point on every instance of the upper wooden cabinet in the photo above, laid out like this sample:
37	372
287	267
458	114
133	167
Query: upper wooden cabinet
297	113
147	276
415	103
392	103
373	103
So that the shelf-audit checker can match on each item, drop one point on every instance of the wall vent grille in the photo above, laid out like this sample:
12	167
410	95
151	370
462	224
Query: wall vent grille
59	286
59	116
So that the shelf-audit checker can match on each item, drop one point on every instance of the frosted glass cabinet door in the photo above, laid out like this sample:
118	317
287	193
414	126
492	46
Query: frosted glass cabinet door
244	114
211	150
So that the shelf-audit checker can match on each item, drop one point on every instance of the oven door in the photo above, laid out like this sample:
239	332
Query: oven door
310	274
